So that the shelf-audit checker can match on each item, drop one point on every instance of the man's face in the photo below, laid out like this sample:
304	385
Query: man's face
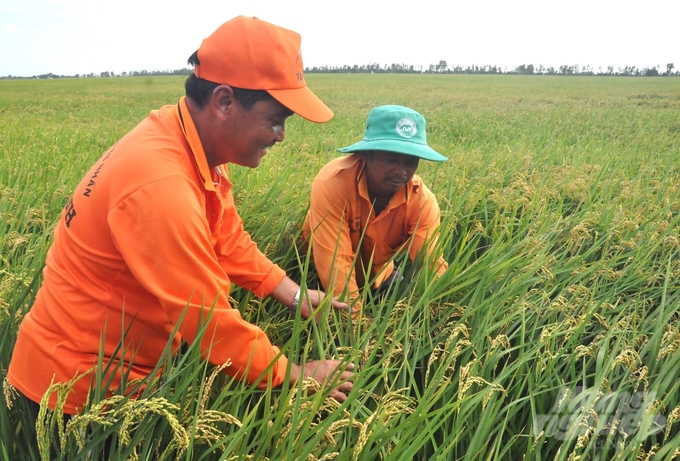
387	172
247	134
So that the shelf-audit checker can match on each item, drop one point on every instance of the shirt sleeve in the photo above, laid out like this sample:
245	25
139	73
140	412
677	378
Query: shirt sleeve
424	230
332	250
240	257
167	248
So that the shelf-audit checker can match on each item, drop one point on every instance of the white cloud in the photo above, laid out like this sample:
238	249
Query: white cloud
10	28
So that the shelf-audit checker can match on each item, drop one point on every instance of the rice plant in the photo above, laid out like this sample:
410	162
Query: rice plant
554	333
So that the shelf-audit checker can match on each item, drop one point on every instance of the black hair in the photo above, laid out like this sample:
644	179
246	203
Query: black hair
201	90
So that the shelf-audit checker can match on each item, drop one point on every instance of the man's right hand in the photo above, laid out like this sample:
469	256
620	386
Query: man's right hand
326	372
316	297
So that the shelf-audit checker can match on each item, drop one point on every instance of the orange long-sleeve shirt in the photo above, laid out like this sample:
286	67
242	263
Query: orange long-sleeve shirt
341	223
151	229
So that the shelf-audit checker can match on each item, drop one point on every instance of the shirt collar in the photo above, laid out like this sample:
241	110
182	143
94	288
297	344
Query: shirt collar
361	181
195	145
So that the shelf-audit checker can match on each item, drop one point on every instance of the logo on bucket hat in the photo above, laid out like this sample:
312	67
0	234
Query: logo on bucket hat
407	127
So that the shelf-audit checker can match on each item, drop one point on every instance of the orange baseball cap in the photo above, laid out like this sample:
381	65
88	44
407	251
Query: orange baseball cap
253	54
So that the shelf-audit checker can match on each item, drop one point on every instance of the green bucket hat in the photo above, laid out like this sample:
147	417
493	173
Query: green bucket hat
396	129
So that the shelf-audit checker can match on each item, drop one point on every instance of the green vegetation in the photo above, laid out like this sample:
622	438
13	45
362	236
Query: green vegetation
553	335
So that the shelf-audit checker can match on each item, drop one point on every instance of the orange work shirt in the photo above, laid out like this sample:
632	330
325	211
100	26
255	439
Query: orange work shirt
150	230
341	222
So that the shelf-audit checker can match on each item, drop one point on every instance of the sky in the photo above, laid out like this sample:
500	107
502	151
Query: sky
68	37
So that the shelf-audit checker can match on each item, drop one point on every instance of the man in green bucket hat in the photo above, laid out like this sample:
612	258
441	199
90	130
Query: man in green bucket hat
368	206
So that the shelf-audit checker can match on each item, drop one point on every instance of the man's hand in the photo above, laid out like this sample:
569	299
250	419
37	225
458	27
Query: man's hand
308	302
315	297
326	373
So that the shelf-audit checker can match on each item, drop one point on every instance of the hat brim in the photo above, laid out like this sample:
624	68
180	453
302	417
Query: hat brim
400	147
304	103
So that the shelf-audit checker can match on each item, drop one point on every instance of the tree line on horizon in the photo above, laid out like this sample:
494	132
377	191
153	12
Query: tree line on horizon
524	69
440	68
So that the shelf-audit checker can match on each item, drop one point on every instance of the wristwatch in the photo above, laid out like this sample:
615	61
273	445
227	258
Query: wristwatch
296	300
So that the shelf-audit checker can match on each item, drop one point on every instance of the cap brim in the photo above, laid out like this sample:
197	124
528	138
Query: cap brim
304	103
400	147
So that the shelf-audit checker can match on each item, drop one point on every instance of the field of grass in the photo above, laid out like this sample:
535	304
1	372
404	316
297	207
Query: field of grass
555	333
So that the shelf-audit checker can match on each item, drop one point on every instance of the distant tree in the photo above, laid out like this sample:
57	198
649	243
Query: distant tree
669	68
567	70
630	71
651	72
525	70
442	66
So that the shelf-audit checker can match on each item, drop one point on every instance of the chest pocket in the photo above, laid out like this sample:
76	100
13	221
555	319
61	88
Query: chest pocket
382	242
392	233
395	245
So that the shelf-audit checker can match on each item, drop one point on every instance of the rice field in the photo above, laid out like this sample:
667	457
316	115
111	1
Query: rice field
554	334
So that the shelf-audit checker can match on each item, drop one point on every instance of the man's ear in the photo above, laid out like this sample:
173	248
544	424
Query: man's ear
222	101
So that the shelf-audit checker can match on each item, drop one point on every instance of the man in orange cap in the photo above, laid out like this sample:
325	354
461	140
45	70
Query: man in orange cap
151	238
369	206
